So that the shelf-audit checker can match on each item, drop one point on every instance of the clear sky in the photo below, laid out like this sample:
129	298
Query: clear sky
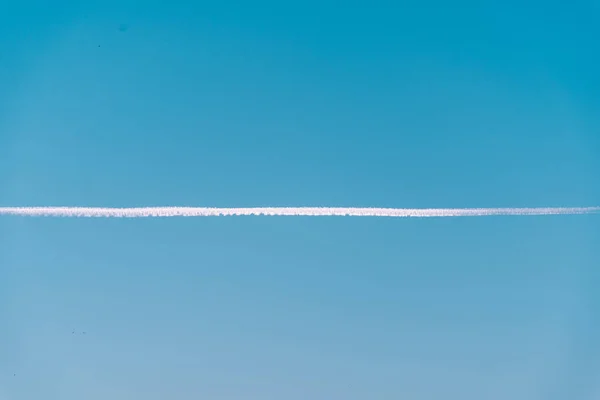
411	104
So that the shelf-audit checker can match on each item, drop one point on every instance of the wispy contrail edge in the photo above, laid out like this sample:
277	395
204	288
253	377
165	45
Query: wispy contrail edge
145	212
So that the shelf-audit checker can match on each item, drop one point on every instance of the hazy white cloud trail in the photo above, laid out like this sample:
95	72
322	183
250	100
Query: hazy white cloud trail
144	212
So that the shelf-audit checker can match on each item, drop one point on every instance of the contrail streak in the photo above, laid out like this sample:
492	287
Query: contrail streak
145	212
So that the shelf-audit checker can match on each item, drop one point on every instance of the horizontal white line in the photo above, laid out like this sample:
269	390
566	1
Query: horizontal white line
142	212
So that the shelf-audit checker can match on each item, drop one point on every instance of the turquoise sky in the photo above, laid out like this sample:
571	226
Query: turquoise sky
417	104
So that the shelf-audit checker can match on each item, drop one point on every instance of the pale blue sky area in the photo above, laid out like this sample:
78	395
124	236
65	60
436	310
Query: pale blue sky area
417	104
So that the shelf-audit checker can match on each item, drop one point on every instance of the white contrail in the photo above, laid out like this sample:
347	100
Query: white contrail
142	212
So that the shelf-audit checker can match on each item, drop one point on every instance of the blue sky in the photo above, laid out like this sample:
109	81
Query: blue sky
418	104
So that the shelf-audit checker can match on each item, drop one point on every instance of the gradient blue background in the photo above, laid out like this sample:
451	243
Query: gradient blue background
417	104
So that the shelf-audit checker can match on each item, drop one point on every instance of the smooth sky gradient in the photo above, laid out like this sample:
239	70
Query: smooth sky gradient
230	104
